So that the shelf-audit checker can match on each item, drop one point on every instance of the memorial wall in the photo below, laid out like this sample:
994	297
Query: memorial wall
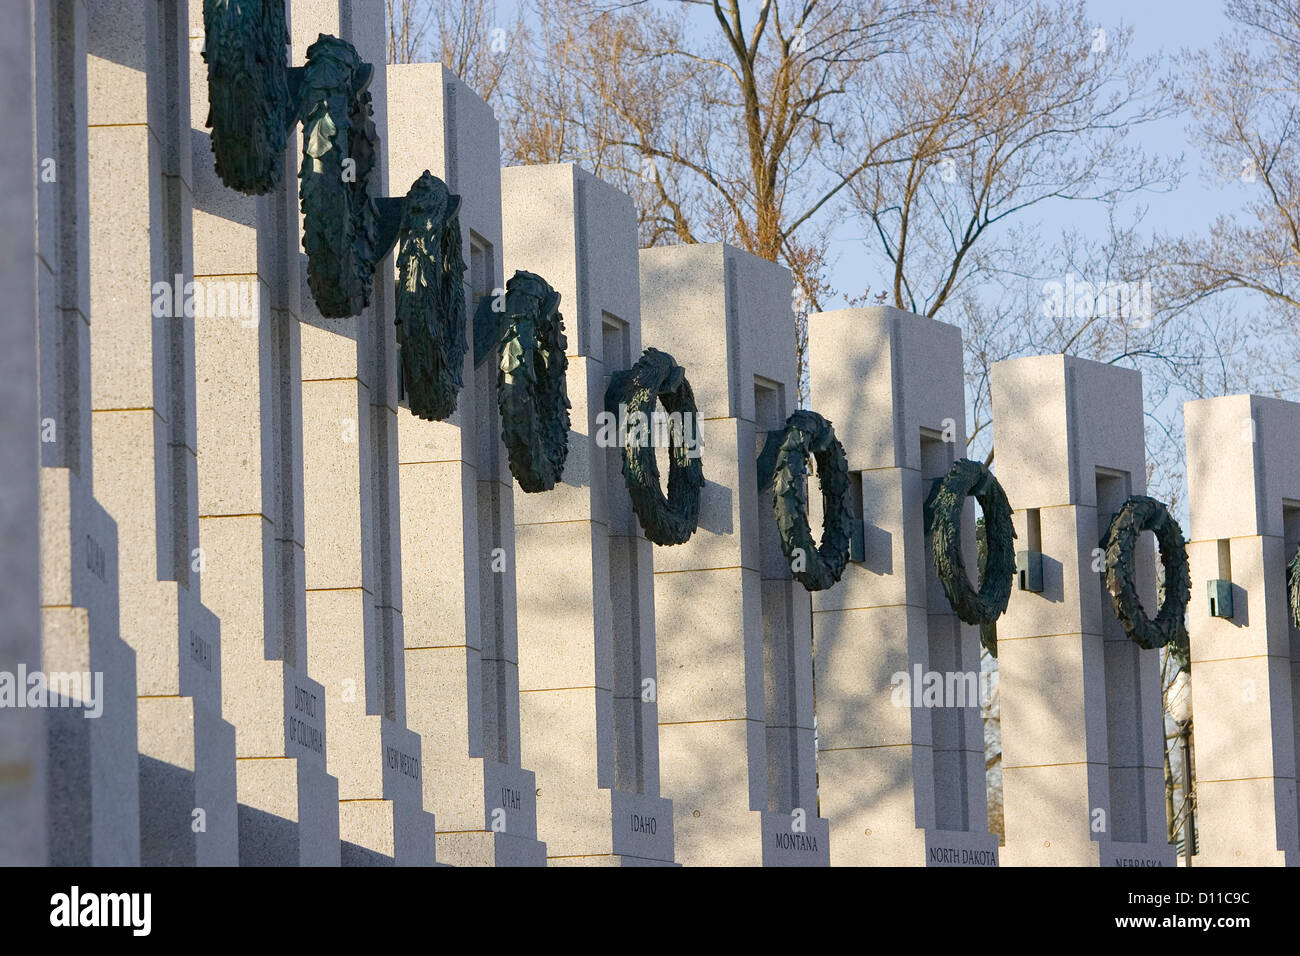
368	503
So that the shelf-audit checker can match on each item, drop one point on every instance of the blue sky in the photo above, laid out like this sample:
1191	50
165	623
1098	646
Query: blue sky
1163	27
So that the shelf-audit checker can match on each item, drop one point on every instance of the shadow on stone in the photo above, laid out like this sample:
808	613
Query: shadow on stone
166	809
715	508
266	839
353	855
68	779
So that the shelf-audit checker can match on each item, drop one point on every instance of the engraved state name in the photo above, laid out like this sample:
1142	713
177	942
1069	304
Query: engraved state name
96	562
962	857
200	652
403	763
300	732
804	842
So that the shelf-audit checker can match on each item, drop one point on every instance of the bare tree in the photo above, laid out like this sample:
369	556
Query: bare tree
946	127
408	29
1180	800
1024	103
464	35
724	122
1013	106
942	123
1244	96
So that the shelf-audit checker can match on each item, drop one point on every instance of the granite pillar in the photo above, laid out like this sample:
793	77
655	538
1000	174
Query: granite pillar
144	443
23	794
352	532
458	538
249	406
588	709
1081	708
93	772
901	771
1243	482
732	628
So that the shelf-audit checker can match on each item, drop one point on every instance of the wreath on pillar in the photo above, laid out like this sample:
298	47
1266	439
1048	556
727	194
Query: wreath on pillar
632	396
431	299
815	566
248	91
531	392
1293	588
338	154
1139	514
943	510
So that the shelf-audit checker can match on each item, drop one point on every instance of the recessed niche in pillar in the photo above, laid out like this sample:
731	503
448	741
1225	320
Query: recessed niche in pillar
951	656
632	722
785	790
497	682
1124	710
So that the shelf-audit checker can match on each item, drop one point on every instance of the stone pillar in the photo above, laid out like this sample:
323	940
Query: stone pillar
144	444
901	777
1243	481
24	840
733	629
93	772
352	535
585	570
1082	733
249	403
458	515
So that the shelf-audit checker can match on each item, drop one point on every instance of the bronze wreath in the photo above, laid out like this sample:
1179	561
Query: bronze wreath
248	91
943	524
339	215
431	299
531	392
656	377
1139	514
807	433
